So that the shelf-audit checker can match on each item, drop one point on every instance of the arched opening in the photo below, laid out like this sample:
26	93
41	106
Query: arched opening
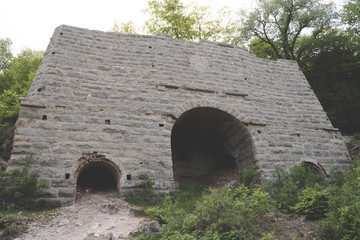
316	168
97	173
97	176
206	141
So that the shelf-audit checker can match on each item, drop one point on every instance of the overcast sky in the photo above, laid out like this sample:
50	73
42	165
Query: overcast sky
30	23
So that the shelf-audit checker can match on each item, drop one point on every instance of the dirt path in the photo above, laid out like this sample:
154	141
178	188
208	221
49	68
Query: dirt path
99	213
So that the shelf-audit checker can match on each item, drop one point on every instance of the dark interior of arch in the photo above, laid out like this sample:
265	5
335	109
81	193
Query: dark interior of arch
207	140
97	176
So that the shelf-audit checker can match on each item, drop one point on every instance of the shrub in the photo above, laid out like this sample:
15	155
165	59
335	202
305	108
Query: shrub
355	139
286	187
19	189
144	195
313	203
219	214
9	107
247	177
343	218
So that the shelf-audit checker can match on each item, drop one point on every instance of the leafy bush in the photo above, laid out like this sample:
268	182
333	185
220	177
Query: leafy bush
9	107
343	218
313	203
19	189
180	203
219	214
286	187
355	139
247	177
144	195
245	213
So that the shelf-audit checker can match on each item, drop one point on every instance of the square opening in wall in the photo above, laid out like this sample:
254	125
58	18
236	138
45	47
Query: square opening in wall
67	175
107	121
128	177
44	117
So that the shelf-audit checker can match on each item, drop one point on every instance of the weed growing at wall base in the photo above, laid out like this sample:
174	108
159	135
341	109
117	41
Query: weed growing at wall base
343	217
229	213
286	188
144	194
20	189
252	213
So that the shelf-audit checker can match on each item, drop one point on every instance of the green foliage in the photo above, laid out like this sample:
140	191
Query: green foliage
169	16
5	53
19	189
267	236
240	212
280	23
190	22
247	177
286	187
313	203
15	82
144	195
218	214
9	107
182	202
127	27
329	57
331	64
12	226
355	139
351	16
21	71
343	218
261	49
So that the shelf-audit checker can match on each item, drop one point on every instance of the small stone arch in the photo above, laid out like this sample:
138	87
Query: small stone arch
206	140
317	168
97	172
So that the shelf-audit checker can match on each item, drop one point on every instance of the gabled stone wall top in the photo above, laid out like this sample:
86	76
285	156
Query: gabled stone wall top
119	96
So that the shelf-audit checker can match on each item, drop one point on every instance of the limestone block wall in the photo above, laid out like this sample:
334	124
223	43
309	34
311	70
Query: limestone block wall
114	98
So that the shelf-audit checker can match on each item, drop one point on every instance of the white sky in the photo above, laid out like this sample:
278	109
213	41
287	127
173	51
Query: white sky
30	23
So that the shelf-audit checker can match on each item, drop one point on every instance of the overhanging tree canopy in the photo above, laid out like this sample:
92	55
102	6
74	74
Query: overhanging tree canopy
280	23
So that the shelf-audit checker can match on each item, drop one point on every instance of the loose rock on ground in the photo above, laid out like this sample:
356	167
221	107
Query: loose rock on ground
95	215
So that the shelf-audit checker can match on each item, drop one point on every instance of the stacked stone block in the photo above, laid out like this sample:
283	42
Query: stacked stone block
119	96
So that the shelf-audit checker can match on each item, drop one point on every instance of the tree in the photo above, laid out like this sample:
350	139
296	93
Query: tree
190	22
5	53
128	28
261	49
218	26
331	64
170	17
280	23
351	16
15	82
20	72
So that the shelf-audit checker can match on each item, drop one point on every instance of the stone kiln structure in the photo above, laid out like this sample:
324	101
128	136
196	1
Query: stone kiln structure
120	109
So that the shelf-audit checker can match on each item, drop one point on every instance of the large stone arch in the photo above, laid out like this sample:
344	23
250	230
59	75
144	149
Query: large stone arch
205	140
97	171
199	103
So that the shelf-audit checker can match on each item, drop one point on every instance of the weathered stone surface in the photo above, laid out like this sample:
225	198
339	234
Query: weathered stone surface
146	107
93	236
109	209
354	149
150	228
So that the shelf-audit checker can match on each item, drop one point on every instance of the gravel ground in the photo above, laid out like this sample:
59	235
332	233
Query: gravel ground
98	213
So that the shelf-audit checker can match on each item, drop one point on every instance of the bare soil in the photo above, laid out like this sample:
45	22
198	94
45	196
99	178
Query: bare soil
100	213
